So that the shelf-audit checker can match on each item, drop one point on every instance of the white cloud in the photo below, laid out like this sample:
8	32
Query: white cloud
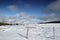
51	17
2	18
20	18
54	6
16	18
52	9
12	7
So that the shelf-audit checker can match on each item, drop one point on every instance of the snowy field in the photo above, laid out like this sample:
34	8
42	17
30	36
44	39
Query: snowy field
36	32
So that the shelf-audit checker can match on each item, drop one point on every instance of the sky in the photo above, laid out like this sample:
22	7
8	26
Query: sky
31	7
44	10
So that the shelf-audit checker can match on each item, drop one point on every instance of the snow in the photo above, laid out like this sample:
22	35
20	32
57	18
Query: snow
36	32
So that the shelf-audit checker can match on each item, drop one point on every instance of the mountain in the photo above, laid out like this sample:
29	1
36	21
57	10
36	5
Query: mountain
49	22
7	24
54	22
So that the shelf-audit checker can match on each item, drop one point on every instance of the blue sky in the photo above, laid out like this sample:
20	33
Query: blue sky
31	7
37	8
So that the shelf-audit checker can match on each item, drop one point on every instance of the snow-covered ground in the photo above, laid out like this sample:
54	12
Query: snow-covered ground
36	32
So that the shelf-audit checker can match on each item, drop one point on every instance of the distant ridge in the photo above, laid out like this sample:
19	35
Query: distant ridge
49	22
7	24
54	22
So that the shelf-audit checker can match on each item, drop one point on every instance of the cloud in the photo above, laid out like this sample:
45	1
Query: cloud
20	18
3	18
54	6
52	10
12	7
17	18
51	17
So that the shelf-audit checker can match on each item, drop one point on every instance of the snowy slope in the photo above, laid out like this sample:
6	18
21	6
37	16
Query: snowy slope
37	32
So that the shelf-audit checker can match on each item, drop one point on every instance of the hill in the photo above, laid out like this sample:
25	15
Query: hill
7	24
49	22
